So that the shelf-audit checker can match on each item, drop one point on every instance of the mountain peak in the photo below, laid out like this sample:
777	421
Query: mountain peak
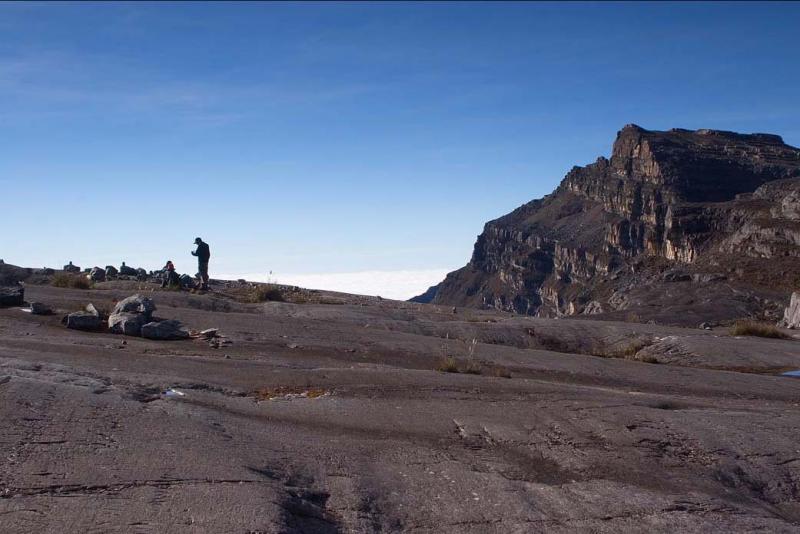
692	202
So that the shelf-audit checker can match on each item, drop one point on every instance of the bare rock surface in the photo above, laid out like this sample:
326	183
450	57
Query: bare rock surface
355	431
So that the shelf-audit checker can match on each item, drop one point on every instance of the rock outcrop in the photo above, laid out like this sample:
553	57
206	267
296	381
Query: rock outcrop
791	316
678	226
12	296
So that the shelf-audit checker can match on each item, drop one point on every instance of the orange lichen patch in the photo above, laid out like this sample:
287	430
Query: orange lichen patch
290	392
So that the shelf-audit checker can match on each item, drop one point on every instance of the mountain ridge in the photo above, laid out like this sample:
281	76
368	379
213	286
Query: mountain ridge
718	210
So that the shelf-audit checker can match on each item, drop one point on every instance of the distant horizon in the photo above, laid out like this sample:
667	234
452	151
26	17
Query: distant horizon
332	140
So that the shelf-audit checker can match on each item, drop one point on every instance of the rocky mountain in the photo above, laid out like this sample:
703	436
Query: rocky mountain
677	226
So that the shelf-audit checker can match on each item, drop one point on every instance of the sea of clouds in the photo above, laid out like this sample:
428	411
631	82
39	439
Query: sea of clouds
400	285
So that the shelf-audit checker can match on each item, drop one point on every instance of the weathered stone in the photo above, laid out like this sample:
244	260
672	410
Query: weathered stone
97	274
83	321
130	314
38	308
72	268
91	309
129	324
136	304
164	330
12	296
111	271
127	271
791	316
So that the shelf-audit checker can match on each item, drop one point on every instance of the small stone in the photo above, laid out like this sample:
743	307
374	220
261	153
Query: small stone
38	308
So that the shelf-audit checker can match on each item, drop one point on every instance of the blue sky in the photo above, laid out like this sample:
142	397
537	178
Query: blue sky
339	138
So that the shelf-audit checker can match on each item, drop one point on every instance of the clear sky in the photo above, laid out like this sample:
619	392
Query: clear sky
341	138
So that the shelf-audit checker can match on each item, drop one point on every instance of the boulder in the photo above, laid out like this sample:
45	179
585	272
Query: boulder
97	274
12	296
91	309
111	271
72	268
127	271
141	274
136	304
187	281
83	320
130	315
129	324
164	330
44	271
38	308
791	316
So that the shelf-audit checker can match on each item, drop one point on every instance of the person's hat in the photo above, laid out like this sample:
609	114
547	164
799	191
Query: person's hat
197	240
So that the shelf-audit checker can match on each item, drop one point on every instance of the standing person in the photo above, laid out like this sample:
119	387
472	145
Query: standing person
203	254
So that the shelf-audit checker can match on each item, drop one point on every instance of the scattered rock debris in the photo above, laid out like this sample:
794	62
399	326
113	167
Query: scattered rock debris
212	336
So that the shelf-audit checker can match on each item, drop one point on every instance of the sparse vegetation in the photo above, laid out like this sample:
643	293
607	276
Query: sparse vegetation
633	317
266	293
755	328
628	351
501	372
289	392
471	368
72	281
448	365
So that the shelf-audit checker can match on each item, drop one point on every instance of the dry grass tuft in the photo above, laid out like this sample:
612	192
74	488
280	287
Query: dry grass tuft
73	281
501	372
266	293
289	392
626	352
448	365
472	368
754	328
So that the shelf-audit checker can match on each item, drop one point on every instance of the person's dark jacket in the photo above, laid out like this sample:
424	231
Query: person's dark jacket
203	253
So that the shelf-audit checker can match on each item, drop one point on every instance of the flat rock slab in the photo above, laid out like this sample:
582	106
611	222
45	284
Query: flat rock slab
356	432
165	330
83	321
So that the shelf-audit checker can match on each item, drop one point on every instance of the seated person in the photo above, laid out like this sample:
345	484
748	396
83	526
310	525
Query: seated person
170	278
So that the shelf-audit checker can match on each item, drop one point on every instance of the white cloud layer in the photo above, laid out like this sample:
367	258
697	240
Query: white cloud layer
400	285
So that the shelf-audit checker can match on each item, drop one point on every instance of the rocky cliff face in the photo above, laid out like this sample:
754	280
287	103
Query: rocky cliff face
676	226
